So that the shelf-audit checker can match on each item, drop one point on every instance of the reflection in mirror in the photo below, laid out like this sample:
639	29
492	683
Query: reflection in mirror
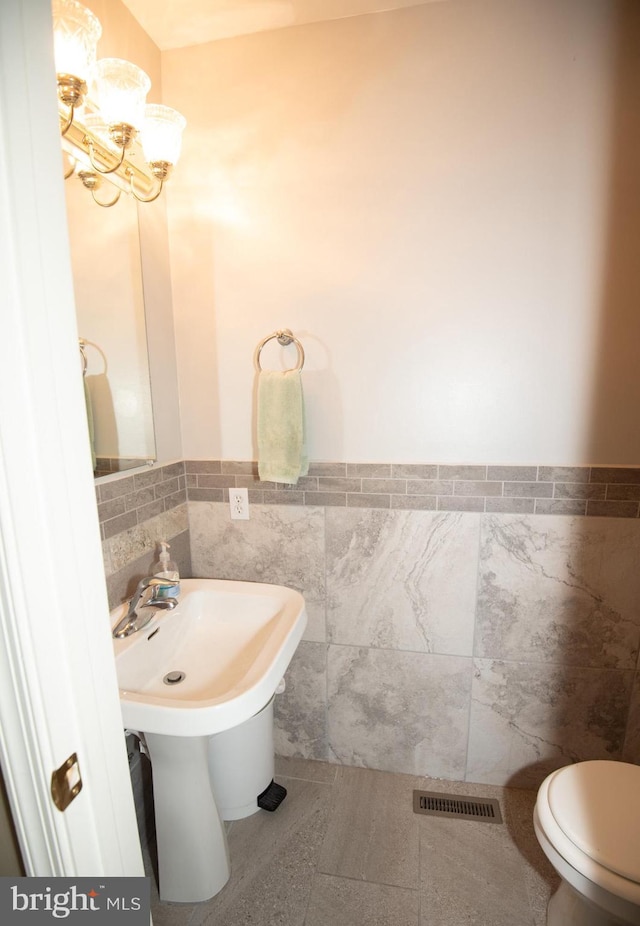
113	360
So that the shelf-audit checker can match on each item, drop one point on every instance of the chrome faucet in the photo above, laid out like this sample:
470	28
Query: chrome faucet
133	620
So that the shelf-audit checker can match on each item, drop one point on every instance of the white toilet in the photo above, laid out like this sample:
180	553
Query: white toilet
587	820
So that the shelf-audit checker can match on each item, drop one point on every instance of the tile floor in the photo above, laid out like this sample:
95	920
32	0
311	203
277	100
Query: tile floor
346	849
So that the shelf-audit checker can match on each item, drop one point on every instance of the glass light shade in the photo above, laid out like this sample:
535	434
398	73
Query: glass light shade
161	133
122	90
75	34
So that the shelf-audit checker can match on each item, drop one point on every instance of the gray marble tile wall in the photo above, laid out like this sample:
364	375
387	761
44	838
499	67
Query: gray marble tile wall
488	646
484	647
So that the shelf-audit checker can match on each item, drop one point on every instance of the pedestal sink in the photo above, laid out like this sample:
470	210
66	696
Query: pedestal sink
203	668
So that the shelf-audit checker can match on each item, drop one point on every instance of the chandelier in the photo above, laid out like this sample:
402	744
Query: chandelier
107	127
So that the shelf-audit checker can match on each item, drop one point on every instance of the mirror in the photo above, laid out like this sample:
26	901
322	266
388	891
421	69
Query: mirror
113	355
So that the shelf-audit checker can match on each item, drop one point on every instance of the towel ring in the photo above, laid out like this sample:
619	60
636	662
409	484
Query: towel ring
83	355
284	337
83	343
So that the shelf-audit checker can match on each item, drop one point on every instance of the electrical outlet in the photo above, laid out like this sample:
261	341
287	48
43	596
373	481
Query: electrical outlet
239	504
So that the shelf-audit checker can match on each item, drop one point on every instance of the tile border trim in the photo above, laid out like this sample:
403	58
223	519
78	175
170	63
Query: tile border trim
590	491
587	491
124	503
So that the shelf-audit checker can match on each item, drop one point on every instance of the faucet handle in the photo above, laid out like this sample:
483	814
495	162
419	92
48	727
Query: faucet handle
163	587
157	581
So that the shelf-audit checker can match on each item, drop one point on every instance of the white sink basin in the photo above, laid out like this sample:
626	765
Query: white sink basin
232	640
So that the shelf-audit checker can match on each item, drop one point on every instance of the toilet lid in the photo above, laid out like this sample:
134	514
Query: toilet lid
597	806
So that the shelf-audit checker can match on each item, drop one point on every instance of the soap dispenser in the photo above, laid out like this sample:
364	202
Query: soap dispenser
165	568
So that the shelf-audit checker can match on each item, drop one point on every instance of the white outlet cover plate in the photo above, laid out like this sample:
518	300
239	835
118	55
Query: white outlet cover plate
239	504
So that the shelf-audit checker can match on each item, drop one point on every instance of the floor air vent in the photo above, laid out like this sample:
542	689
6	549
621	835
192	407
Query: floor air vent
456	806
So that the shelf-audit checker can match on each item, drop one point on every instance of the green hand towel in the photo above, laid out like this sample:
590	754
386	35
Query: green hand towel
90	422
282	453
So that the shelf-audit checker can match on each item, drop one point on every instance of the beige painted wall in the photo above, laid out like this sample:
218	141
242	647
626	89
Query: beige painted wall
443	203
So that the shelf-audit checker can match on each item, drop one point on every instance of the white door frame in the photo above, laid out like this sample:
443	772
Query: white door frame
58	690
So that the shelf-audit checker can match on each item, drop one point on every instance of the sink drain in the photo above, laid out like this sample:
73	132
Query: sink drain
172	678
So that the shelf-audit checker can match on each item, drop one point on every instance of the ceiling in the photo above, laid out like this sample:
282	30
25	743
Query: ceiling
177	23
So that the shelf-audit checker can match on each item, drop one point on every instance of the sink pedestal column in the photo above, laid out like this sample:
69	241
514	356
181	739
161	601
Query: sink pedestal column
193	856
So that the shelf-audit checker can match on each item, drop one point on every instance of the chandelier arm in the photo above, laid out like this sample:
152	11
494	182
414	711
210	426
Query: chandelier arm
102	170
109	204
142	199
69	172
68	121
